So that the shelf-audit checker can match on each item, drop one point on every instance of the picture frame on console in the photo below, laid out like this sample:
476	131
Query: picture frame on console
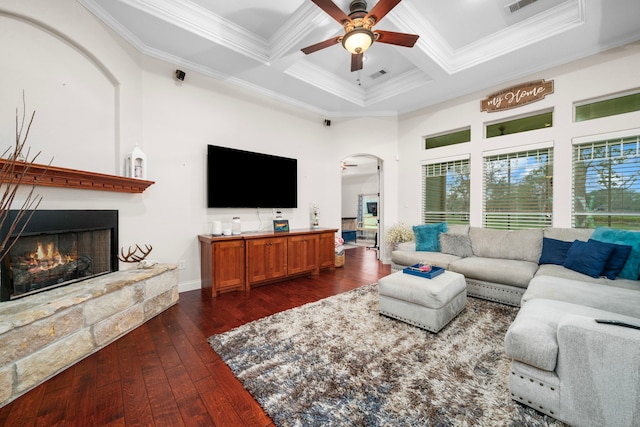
280	225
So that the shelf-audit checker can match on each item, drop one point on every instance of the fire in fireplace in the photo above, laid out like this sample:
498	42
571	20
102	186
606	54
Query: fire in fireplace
58	248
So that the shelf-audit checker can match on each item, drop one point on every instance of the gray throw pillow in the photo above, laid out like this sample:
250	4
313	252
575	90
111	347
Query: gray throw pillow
455	244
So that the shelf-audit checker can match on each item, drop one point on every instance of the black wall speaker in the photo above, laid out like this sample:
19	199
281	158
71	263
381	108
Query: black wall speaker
180	75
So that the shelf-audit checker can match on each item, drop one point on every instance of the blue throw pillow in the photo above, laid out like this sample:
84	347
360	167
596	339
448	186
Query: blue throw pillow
588	258
428	236
616	261
631	268
554	251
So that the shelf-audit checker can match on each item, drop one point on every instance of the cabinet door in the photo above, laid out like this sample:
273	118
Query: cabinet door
326	249
303	254
267	259
228	266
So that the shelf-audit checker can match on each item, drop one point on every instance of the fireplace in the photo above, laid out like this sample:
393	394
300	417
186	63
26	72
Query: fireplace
57	248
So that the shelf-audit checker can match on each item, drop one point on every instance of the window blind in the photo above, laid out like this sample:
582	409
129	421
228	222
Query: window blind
445	192
518	190
606	183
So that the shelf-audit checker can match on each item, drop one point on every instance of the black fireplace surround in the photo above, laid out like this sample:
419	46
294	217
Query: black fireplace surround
57	248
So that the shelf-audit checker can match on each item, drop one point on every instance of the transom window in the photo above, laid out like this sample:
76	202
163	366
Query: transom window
518	189
445	192
606	183
607	107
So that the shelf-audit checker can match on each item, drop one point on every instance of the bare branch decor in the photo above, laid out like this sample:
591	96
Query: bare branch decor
11	178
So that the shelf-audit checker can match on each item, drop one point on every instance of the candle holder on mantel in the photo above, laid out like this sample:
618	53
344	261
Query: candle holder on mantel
137	164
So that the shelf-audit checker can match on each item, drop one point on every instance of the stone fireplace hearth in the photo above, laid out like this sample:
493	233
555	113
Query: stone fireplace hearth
44	333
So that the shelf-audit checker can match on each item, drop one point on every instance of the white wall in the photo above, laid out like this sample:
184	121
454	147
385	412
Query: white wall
599	75
96	98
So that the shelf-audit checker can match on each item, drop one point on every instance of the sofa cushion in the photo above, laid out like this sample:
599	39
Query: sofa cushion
505	271
568	234
427	236
562	272
588	258
532	337
631	269
617	259
439	259
455	244
524	245
554	251
603	297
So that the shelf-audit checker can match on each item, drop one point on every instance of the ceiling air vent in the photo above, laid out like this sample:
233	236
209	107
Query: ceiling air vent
517	5
378	74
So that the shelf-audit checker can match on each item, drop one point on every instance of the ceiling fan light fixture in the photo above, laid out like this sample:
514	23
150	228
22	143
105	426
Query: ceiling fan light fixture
358	40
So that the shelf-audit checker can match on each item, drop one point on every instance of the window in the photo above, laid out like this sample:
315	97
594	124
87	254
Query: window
608	107
606	183
449	138
445	192
518	189
522	124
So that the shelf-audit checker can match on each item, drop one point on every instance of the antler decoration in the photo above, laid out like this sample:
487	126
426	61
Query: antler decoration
132	255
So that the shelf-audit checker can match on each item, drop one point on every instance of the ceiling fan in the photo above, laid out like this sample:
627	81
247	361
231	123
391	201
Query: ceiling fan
344	165
358	33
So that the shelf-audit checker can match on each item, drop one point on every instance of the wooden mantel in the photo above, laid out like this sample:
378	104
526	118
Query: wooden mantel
52	176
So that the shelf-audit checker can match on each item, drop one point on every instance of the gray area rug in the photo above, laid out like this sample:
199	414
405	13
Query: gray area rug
338	362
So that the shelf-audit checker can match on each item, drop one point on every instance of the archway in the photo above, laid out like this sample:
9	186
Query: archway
362	200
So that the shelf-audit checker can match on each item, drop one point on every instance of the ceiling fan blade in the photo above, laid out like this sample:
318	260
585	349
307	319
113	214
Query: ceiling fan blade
332	10
316	47
381	9
399	39
357	60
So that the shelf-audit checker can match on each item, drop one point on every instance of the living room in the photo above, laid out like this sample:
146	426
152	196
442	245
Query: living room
97	97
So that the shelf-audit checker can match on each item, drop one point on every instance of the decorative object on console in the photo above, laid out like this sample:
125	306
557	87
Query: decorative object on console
136	164
315	214
236	226
216	228
280	225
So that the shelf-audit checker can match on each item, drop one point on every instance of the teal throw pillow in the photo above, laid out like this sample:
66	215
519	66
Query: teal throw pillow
616	261
631	268
588	258
428	236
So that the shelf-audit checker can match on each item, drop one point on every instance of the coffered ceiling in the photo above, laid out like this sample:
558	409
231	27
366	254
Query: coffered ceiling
464	46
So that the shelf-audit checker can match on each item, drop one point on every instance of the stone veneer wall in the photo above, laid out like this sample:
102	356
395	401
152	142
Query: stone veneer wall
45	333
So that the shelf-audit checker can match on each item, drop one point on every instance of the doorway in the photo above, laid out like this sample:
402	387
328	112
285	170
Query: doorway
362	203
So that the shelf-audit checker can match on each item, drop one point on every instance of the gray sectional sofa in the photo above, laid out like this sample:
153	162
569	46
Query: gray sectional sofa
564	363
499	264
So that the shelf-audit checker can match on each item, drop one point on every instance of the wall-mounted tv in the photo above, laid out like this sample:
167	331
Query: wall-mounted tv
245	179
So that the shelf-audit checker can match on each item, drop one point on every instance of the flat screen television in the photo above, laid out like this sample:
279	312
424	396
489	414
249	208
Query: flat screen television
245	179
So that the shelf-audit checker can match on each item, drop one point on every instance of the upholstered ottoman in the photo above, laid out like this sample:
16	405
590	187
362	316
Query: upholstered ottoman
427	303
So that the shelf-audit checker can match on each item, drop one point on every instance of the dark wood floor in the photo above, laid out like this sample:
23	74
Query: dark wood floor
165	374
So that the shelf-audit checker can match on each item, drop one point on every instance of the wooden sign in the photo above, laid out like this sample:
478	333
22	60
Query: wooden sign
517	96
